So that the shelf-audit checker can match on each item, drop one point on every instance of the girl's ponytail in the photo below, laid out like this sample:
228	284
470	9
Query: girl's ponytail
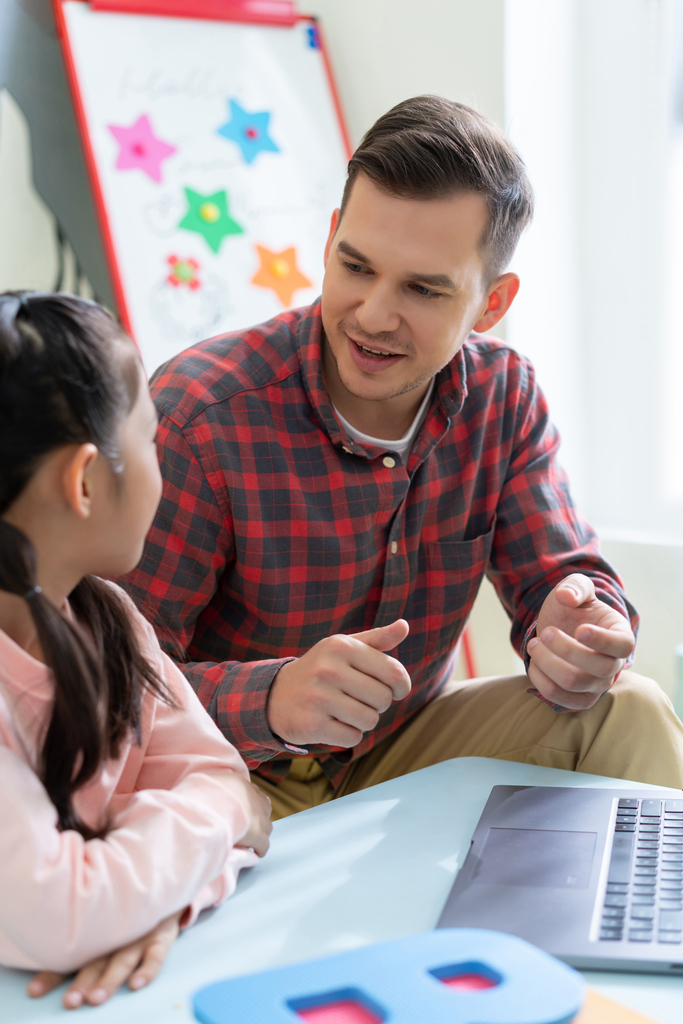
74	743
69	376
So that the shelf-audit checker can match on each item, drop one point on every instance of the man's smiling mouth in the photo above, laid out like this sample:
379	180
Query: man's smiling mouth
376	352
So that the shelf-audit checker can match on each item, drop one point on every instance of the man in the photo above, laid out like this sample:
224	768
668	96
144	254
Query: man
338	480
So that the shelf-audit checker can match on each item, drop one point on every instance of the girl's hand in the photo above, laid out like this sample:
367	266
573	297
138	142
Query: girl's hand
258	808
138	964
260	826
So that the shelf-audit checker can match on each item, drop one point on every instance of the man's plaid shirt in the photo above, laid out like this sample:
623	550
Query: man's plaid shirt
276	529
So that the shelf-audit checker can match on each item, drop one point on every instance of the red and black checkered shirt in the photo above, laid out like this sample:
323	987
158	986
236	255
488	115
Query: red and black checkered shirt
277	529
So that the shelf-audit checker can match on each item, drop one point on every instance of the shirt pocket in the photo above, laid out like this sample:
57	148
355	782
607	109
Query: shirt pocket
454	574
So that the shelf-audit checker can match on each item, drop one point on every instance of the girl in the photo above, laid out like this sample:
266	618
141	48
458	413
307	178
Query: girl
124	811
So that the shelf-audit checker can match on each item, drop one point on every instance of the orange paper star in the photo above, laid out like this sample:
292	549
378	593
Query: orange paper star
279	271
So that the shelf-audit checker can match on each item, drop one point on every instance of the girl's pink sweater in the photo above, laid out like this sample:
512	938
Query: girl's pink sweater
64	901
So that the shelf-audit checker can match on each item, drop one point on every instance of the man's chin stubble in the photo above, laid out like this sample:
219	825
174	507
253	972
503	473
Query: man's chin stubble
403	390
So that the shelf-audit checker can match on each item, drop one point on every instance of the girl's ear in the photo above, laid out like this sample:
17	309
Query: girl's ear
78	478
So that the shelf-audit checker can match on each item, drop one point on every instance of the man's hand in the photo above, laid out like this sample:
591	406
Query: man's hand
337	690
138	963
258	807
580	645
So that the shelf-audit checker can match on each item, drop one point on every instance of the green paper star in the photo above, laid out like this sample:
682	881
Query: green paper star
208	216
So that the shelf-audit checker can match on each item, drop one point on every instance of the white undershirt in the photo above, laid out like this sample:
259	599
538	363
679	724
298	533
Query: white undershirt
405	443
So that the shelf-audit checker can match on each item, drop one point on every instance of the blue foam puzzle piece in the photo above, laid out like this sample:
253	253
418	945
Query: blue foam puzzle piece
399	980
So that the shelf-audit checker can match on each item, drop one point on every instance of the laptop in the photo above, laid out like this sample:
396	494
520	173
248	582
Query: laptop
592	876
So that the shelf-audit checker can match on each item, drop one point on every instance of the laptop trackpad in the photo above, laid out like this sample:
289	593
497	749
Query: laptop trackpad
537	857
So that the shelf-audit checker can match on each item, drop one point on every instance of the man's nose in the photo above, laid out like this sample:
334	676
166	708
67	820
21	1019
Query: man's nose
378	312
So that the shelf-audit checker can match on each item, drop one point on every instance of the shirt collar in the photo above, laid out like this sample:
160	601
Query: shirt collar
450	390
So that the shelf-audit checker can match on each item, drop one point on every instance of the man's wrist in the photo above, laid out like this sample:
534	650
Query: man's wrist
285	743
238	706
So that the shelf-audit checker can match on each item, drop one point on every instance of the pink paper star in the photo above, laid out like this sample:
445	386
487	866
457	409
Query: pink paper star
140	148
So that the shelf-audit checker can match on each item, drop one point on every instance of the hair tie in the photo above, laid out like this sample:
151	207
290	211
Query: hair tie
33	592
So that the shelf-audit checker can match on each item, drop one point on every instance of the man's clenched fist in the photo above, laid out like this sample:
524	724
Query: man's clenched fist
337	690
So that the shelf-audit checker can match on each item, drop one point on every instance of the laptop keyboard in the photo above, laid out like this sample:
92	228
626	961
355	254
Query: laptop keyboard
644	898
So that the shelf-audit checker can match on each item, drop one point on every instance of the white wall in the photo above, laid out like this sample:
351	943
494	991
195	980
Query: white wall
653	575
588	91
384	51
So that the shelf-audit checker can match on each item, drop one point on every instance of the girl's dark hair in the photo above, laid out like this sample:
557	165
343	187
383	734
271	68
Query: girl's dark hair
68	375
429	147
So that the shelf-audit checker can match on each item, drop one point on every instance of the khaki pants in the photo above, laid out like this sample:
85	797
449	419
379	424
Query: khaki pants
632	732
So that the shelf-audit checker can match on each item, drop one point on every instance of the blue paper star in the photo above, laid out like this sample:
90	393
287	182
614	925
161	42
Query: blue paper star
249	131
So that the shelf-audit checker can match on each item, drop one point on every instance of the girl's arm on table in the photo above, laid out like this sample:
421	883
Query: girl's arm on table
65	901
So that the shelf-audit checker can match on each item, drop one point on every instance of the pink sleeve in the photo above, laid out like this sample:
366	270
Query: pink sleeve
64	901
184	741
222	887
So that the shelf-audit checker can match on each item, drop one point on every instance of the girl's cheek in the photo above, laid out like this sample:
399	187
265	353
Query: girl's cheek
155	481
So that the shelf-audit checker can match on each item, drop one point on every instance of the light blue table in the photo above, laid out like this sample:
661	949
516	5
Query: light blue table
362	869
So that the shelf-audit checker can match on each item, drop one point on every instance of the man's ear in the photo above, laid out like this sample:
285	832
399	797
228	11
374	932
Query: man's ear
499	298
78	478
334	223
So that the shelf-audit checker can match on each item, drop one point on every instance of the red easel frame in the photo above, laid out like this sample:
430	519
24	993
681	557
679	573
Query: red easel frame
264	12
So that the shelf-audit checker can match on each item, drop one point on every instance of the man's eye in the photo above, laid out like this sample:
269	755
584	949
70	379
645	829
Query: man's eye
426	292
355	268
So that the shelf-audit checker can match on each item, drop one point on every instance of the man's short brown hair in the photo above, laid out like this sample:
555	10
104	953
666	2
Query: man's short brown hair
429	147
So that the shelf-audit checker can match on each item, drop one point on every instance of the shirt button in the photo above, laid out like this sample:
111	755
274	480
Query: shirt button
388	462
394	547
347	450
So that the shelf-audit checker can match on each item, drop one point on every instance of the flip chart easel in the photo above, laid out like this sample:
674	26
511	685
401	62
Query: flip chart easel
216	150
